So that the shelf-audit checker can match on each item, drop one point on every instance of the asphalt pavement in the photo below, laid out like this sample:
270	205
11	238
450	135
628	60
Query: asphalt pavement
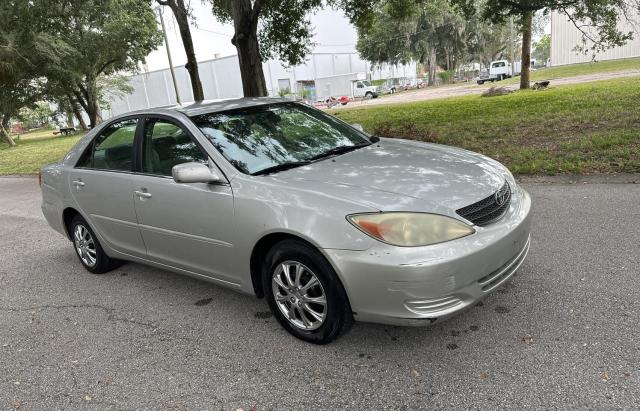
563	333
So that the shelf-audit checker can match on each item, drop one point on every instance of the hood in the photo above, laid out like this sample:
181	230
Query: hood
402	175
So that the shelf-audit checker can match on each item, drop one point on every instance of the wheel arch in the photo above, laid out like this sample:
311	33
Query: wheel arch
67	215
263	246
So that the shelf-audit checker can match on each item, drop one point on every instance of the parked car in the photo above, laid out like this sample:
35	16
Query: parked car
280	200
502	69
393	85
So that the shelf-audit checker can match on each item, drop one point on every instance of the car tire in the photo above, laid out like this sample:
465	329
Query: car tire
368	95
88	248
296	309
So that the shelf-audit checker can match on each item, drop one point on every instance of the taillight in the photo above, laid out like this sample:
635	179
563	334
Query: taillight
40	178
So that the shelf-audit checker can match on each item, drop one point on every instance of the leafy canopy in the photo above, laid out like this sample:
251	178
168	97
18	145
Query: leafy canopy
597	20
284	29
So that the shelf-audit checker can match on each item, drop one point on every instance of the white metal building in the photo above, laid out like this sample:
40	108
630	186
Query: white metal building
221	79
565	37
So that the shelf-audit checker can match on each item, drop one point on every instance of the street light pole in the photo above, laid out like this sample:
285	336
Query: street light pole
166	43
512	46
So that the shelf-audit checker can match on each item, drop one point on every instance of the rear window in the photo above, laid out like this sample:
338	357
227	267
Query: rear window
113	148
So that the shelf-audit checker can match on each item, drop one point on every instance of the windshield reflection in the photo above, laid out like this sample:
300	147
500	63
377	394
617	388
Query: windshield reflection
262	137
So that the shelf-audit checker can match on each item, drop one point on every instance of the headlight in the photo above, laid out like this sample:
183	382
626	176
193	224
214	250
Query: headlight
410	229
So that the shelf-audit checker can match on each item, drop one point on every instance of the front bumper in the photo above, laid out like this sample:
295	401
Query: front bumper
421	285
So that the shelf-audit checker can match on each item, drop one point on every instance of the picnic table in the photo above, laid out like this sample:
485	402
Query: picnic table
65	131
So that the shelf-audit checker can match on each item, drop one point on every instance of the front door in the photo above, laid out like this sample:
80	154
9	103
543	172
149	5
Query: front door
188	226
102	186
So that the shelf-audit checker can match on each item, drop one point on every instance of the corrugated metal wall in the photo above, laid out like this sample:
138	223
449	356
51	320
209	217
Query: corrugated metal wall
565	37
221	79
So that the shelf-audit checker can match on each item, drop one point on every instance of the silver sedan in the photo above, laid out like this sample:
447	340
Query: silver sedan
283	201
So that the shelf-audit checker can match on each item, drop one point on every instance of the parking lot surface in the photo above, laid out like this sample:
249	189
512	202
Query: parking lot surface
563	333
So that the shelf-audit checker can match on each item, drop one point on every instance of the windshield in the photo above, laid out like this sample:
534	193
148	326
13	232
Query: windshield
263	137
366	83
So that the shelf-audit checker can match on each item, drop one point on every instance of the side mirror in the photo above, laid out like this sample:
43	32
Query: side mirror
358	127
194	173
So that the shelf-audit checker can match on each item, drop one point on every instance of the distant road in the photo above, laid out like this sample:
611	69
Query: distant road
431	93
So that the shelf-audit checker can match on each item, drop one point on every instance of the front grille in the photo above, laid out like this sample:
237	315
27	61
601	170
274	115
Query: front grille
489	209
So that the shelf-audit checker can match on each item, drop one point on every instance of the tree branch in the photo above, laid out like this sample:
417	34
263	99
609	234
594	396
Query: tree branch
105	65
579	27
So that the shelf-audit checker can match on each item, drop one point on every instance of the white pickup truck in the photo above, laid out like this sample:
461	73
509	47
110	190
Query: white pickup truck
500	70
353	85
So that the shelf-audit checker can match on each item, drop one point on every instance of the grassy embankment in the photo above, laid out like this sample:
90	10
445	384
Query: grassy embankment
583	128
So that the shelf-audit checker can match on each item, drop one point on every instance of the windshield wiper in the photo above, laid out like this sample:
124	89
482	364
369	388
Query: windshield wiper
280	167
338	150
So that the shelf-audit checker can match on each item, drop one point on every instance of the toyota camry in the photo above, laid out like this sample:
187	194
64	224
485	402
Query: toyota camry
283	201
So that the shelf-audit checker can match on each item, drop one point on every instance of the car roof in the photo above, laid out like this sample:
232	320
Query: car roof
213	106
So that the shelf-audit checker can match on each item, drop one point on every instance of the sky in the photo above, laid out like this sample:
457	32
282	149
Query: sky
332	33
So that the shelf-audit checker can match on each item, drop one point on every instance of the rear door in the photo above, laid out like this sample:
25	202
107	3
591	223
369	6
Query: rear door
102	186
188	226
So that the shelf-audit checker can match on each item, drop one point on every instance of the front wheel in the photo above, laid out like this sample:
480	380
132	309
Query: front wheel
304	293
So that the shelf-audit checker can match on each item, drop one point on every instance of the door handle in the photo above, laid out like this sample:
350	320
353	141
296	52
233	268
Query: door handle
78	183
142	194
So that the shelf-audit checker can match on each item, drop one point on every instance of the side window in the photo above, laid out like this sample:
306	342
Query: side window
113	148
166	145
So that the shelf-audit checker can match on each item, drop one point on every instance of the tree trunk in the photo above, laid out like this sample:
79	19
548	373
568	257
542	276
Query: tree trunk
245	22
527	21
4	130
92	103
95	113
431	64
69	115
180	13
77	113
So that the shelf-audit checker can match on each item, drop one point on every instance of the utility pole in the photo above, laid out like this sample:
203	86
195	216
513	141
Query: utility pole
166	43
512	48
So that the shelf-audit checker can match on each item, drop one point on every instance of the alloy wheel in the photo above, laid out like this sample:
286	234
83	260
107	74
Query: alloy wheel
299	295
85	245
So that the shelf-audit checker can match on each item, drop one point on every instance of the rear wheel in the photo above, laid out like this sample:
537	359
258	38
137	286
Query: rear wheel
88	248
304	293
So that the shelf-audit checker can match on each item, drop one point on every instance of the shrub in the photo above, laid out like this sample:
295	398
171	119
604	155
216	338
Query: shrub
446	77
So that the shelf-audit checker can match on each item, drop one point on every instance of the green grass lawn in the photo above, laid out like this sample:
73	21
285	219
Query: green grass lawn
582	69
584	128
34	150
